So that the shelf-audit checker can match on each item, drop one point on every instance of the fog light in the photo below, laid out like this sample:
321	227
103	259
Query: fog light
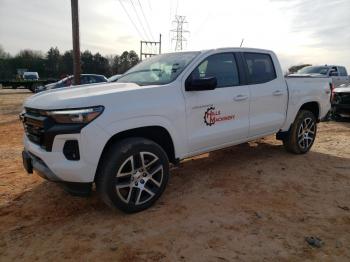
71	150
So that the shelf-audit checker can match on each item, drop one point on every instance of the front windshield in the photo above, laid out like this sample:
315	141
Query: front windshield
158	70
314	70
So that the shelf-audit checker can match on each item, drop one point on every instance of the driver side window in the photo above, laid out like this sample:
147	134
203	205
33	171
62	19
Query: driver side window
222	66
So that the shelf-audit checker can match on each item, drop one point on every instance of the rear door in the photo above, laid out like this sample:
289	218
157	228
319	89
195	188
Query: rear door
220	116
336	79
269	94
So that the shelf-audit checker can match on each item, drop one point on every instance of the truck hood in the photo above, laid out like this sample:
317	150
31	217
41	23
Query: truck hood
78	96
342	89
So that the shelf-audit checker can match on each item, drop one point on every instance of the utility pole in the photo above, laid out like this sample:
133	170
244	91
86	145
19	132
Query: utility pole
76	44
150	48
179	32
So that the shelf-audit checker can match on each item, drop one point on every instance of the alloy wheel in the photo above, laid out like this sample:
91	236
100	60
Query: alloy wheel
139	178
306	133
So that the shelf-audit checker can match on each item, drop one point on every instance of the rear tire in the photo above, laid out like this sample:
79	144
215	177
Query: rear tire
133	174
302	133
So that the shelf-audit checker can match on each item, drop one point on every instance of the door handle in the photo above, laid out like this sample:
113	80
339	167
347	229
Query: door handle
277	93
240	97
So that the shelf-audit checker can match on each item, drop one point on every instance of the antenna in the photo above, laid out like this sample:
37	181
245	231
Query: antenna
242	42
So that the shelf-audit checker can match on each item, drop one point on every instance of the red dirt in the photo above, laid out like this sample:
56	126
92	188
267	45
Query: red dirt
252	202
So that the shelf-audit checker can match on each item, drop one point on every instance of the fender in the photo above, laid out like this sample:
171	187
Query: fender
180	146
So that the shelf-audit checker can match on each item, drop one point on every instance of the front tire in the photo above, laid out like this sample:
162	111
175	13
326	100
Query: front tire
133	174
302	133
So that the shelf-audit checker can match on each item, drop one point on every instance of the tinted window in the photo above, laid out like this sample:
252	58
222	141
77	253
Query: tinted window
323	70
94	79
260	68
221	66
342	71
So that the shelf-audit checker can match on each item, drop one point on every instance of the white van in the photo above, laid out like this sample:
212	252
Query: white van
30	76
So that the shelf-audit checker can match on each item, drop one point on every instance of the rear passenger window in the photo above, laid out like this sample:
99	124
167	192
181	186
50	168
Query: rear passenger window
260	68
342	71
222	66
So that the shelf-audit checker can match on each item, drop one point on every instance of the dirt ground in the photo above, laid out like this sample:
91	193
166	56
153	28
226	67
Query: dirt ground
252	202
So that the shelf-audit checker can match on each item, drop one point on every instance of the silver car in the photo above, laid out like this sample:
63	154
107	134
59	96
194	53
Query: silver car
338	74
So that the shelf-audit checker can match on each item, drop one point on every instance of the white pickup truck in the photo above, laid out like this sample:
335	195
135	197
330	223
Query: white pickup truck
122	136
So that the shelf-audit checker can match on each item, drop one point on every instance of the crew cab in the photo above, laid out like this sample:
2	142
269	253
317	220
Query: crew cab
122	136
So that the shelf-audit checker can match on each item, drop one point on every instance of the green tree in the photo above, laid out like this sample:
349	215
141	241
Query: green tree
295	68
6	71
127	60
101	64
53	58
133	58
30	60
66	65
115	65
87	62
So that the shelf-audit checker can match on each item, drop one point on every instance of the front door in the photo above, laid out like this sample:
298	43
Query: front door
220	116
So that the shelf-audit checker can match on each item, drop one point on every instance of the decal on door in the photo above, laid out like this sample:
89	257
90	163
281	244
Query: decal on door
212	116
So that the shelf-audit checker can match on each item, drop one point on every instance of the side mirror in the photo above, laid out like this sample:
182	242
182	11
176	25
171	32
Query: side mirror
333	73
202	84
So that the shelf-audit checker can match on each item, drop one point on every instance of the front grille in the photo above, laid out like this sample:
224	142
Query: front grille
344	98
35	123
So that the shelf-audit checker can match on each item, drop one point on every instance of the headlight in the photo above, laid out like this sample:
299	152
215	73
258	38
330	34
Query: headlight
76	116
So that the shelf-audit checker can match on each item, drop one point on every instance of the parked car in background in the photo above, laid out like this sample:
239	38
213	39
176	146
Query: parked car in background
114	78
31	76
341	101
122	136
69	81
338	74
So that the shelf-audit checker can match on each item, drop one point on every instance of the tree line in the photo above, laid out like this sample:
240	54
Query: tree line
55	64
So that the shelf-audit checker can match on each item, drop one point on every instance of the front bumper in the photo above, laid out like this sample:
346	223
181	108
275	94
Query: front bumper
53	165
32	162
341	109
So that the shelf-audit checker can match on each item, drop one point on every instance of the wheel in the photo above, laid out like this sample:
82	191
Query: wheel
302	133
32	88
133	174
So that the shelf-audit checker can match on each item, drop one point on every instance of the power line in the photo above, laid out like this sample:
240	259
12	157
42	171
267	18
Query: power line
138	31
147	24
138	18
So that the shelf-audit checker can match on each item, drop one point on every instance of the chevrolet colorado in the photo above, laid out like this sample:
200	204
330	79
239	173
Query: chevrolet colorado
122	136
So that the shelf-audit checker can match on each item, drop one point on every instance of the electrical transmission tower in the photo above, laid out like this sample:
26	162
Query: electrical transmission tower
179	32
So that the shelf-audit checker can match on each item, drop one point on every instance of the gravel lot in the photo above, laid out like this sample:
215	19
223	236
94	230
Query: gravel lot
252	202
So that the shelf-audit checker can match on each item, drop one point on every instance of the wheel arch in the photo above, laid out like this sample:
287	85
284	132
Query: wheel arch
313	107
157	134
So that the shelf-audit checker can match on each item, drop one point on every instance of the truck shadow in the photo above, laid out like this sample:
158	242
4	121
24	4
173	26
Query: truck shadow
242	167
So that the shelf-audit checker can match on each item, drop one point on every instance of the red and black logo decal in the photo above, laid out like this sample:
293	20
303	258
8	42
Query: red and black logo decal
211	116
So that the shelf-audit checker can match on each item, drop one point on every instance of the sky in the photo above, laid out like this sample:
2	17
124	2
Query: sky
299	31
